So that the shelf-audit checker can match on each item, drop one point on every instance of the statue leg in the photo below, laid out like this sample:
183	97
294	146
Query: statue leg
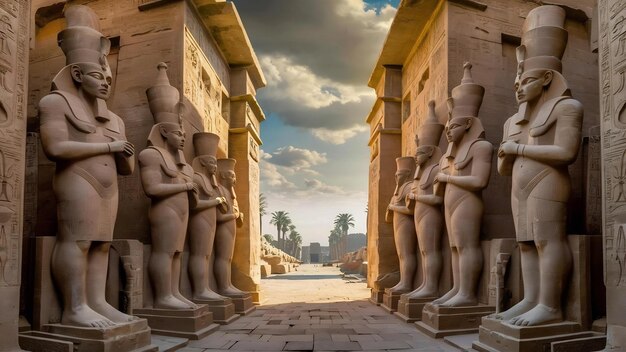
466	232
69	269
98	264
454	253
224	251
176	268
429	236
407	252
200	247
555	262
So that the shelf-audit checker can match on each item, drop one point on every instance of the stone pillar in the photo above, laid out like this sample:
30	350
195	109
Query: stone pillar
14	35
385	146
612	50
243	145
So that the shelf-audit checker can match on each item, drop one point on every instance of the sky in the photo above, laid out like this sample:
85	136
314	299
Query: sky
317	57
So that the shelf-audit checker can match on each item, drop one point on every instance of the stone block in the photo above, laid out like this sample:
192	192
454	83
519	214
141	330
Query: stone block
440	321
192	324
410	309
223	310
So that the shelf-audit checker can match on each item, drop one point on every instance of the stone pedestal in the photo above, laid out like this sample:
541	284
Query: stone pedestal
410	309
376	296
497	336
243	305
390	300
192	324
133	336
440	321
223	310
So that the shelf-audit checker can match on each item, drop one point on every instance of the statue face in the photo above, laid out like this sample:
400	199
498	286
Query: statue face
174	137
456	129
423	154
229	178
93	79
209	163
531	85
401	176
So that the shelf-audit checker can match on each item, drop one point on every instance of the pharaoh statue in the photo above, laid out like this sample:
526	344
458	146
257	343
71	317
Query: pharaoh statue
88	145
227	223
403	227
168	181
428	216
539	143
464	173
202	220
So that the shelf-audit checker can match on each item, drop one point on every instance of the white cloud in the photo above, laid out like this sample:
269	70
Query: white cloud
297	158
272	177
337	136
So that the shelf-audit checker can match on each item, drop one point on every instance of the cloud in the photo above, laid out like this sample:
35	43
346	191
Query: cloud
317	57
337	136
272	177
317	186
336	39
297	158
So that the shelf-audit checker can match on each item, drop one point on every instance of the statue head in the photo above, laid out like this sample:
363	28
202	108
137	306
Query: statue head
463	109
226	169
167	112
86	50
205	145
539	67
404	171
428	136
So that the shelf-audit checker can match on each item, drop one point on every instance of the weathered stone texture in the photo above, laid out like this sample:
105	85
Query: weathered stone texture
14	32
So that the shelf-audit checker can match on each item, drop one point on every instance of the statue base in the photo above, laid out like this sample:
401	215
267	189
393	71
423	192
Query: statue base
497	336
223	310
243	304
440	321
132	336
410	309
192	324
376	296
390	300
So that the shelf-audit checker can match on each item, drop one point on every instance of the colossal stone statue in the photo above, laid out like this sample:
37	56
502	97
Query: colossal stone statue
428	215
168	180
227	223
88	145
465	169
403	227
202	221
539	143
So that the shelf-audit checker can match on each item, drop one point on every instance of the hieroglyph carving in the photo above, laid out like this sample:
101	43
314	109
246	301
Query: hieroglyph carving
13	68
612	19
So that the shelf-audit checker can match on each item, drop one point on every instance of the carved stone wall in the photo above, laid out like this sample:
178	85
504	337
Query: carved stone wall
612	50
14	34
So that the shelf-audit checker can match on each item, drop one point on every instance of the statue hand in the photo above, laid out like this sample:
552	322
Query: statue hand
508	148
122	147
441	177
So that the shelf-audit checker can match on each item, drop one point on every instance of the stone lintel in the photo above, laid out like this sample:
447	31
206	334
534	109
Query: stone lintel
471	3
254	104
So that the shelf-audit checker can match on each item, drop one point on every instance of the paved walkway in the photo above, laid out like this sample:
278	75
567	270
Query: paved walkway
314	309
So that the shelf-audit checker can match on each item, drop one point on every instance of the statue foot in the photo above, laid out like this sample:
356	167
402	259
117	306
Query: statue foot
232	291
208	295
522	307
445	297
461	300
400	288
185	300
171	302
113	314
422	293
539	315
85	317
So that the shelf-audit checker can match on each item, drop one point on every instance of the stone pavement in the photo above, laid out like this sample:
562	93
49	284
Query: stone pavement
314	309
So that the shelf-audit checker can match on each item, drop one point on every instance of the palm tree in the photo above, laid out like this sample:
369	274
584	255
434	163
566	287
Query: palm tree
343	222
333	240
292	229
285	228
269	238
279	218
262	211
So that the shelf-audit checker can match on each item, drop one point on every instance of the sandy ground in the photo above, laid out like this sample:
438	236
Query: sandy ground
312	283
